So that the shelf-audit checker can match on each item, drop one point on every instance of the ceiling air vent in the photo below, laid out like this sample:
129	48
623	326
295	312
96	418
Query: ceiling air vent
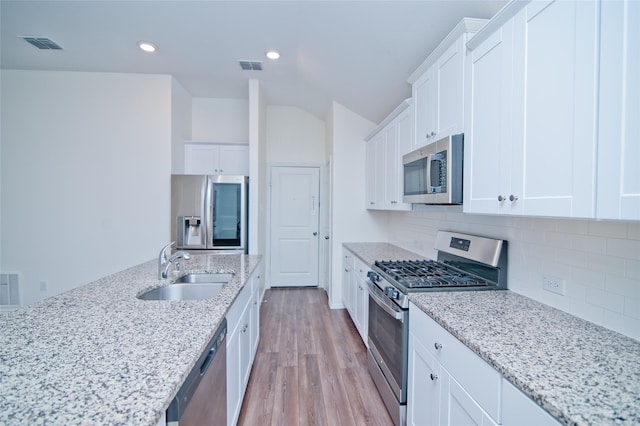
43	43
251	65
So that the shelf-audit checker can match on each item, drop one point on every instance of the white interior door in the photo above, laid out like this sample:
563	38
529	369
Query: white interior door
294	226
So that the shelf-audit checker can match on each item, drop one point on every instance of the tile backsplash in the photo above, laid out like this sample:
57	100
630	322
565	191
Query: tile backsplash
599	261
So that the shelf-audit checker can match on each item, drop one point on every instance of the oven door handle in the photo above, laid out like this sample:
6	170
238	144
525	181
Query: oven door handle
381	301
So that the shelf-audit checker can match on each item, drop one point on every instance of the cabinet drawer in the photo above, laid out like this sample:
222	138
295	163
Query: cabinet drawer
479	379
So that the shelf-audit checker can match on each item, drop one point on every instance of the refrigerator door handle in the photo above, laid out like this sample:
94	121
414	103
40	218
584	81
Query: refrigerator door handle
208	214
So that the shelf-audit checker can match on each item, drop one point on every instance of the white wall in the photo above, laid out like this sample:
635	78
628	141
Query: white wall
181	112
294	136
600	261
220	120
350	221
86	159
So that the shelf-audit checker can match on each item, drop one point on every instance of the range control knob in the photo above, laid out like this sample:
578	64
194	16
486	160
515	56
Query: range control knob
391	292
374	277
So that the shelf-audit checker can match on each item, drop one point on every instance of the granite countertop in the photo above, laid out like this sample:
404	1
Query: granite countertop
98	355
579	372
370	252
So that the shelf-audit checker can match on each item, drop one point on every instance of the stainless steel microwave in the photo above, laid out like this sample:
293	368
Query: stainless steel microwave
433	173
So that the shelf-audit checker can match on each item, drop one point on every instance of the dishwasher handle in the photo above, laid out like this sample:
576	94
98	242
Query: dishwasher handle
219	341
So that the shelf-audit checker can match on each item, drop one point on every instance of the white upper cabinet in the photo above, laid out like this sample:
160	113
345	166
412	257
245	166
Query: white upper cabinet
618	142
385	147
216	159
530	138
438	87
488	127
556	47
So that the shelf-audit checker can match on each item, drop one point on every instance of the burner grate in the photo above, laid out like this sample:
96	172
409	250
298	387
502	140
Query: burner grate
428	273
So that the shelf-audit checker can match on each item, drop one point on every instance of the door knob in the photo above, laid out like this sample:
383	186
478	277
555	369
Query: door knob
315	233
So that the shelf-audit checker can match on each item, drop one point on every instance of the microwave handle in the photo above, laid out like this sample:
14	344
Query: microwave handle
438	156
429	159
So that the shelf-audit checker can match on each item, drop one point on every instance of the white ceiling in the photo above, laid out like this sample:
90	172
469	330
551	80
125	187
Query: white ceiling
358	53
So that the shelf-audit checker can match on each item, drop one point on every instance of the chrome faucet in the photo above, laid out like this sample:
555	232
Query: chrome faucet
164	262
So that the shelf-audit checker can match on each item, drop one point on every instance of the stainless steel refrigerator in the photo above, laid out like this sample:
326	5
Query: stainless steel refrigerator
209	212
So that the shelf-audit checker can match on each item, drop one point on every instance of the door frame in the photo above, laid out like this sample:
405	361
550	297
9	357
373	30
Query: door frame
324	196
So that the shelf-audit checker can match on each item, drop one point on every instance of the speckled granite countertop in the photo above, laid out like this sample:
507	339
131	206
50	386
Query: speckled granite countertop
98	355
577	371
370	252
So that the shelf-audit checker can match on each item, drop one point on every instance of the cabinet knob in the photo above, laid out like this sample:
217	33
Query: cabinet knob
315	233
438	346
433	134
513	198
326	237
501	198
434	377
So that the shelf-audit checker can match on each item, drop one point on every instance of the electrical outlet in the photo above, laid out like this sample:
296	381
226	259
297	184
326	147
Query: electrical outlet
44	285
553	284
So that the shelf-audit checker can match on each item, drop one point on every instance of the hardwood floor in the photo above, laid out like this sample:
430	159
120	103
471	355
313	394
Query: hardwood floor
310	367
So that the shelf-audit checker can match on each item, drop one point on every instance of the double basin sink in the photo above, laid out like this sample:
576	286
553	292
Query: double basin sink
194	286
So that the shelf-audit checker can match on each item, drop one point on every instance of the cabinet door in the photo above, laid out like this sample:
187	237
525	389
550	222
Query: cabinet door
245	348
450	97
201	159
556	85
254	328
461	408
619	112
347	272
234	160
424	101
488	133
391	166
424	392
397	143
234	396
519	410
371	173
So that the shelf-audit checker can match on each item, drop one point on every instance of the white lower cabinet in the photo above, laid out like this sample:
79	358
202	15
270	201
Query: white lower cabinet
451	385
355	292
243	327
519	410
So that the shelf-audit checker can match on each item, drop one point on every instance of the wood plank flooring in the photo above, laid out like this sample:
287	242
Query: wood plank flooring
310	367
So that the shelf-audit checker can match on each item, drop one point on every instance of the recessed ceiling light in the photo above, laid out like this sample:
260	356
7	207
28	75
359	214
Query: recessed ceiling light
147	46
273	54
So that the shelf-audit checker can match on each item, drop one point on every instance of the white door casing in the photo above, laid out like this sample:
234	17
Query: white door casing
295	226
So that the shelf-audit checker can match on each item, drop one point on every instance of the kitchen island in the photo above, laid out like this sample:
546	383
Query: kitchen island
578	372
99	355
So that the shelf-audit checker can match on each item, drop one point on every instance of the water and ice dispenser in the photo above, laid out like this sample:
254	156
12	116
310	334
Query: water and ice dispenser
190	231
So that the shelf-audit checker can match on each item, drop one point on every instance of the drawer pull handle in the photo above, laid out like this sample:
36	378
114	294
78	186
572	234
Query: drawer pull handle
434	377
438	346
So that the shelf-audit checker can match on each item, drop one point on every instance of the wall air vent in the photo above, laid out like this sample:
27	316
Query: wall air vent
251	65
9	292
43	43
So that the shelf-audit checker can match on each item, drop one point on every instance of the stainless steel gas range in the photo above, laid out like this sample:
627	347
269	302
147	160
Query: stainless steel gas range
465	263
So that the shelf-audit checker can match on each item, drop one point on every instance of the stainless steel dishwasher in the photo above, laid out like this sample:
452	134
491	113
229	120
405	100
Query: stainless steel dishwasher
202	399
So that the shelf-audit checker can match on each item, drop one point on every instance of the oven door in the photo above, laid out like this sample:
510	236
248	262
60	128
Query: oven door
388	340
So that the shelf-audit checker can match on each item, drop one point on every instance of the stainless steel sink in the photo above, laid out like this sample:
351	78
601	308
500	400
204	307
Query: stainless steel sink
204	277
195	286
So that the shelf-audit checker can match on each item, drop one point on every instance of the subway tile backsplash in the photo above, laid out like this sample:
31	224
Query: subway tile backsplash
599	260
